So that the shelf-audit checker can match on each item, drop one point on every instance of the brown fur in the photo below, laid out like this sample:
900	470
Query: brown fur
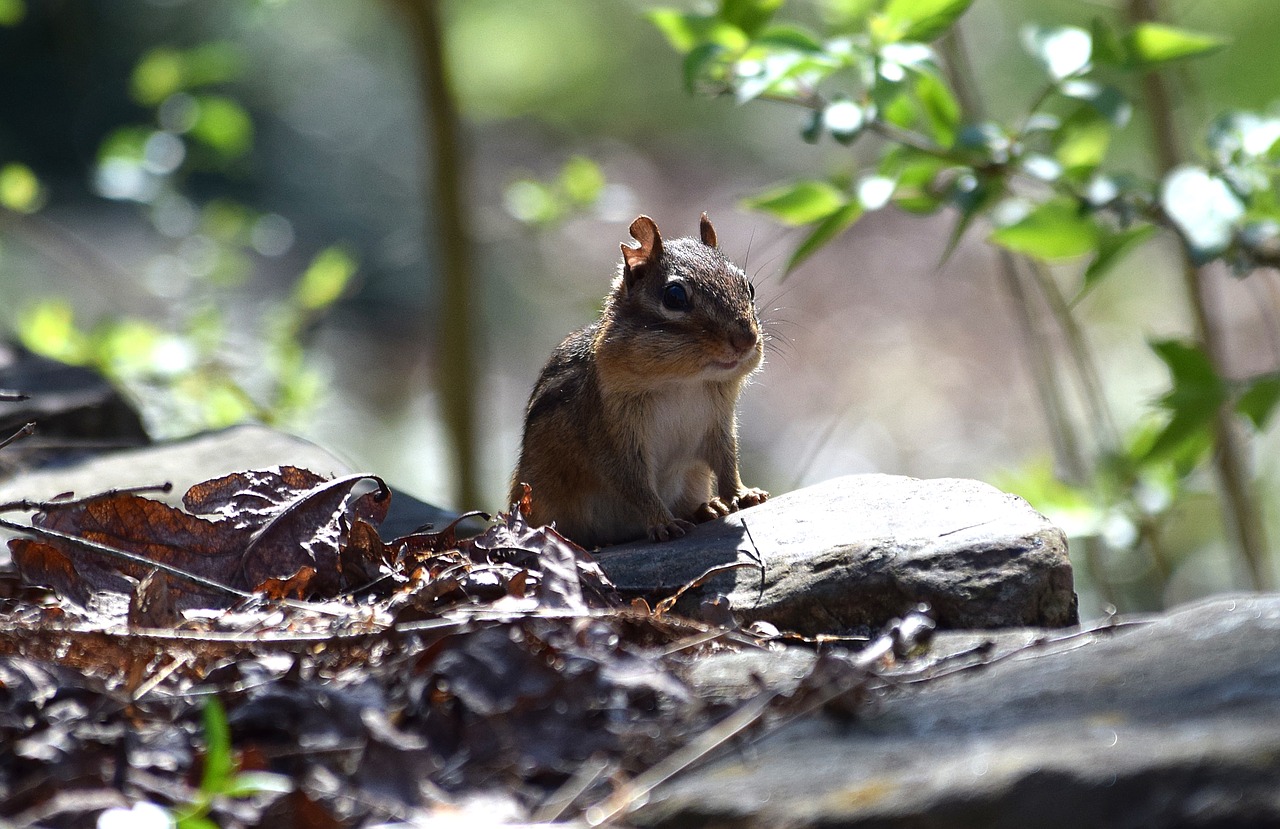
630	429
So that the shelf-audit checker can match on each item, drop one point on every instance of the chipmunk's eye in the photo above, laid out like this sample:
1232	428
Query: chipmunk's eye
751	289
676	297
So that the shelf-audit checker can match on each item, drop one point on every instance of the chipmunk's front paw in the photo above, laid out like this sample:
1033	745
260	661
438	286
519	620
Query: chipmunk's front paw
711	510
676	528
749	498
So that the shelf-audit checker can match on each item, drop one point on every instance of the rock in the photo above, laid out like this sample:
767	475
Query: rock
852	553
201	458
74	407
1169	722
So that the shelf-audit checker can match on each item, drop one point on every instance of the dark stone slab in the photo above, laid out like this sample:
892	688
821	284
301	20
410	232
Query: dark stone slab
1171	722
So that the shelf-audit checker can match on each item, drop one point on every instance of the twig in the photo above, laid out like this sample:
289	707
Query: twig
562	798
62	503
635	794
25	432
710	573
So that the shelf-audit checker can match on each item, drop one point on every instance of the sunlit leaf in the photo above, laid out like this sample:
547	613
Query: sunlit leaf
325	278
1203	208
1055	230
49	328
1062	50
12	12
223	125
1148	44
531	202
1082	141
1259	401
798	203
582	180
684	31
826	230
748	15
212	63
922	20
157	76
20	190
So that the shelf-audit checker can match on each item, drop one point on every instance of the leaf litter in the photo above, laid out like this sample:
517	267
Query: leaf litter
494	679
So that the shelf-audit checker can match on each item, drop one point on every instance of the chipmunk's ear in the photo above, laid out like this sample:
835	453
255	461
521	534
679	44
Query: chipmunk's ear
708	232
635	260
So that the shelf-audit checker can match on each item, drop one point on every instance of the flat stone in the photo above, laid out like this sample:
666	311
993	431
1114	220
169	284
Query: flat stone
853	553
1174	721
74	408
201	458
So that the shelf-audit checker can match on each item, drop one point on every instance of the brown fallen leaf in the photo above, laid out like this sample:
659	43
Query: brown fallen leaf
240	532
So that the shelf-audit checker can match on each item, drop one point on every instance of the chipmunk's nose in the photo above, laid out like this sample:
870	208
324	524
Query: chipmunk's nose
743	339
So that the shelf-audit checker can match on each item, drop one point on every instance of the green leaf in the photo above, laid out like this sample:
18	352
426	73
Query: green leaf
1056	229
790	37
20	190
940	108
748	15
694	66
826	230
582	180
1259	400
219	764
325	279
12	12
1062	50
798	203
1197	394
916	174
922	20
1112	247
1108	49
1148	44
686	31
1082	141
223	125
50	329
1194	377
157	76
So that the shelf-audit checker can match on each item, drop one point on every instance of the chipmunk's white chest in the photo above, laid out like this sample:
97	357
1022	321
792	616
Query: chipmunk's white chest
675	429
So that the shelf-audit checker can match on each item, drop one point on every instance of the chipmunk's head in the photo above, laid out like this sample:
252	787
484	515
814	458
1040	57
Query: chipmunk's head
684	308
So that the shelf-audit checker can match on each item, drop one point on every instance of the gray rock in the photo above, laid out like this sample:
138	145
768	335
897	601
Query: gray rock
1172	722
74	408
854	552
202	458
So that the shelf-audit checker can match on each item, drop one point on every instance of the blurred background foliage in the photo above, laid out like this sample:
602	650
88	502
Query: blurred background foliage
975	255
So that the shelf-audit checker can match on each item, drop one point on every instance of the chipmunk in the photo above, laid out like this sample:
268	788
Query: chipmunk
633	418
